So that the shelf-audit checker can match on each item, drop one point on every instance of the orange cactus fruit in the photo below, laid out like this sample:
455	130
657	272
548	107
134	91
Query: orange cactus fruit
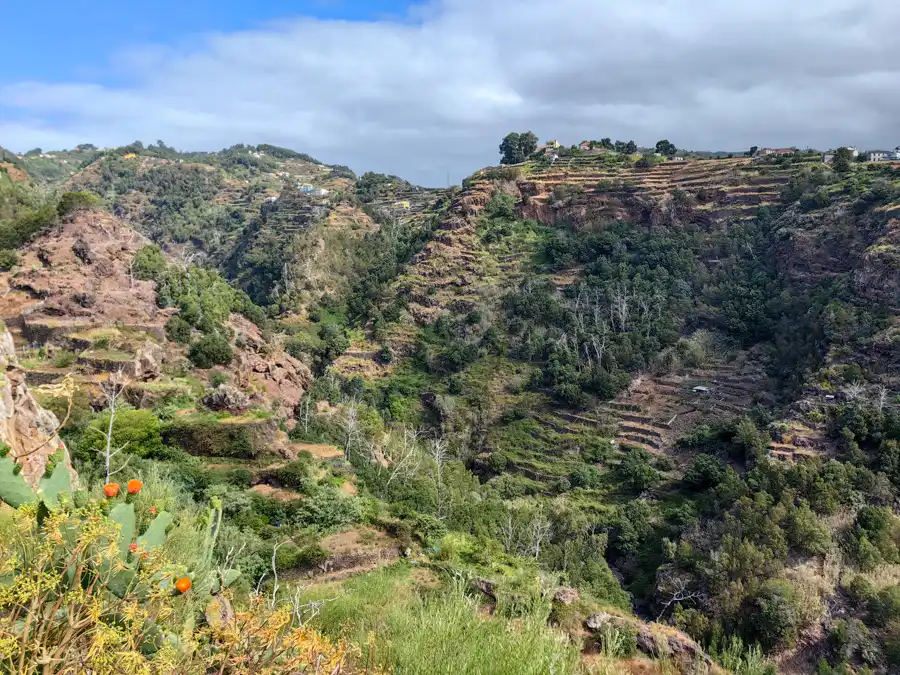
134	486
111	489
183	585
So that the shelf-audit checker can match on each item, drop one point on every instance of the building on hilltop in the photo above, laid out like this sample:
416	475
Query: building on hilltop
776	151
884	155
554	145
584	145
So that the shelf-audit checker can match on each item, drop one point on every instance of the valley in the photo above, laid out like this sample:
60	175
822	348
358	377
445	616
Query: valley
640	412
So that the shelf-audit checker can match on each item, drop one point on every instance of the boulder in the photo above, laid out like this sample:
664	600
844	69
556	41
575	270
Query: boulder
596	621
226	397
148	361
565	595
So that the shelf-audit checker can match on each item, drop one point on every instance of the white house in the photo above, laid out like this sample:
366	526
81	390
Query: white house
884	155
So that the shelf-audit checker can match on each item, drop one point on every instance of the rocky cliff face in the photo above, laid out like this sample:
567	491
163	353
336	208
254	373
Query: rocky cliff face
78	274
270	373
28	429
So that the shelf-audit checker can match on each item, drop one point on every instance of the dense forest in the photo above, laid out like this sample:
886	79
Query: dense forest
634	413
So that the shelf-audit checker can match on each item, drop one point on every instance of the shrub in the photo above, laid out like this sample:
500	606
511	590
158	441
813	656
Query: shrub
178	330
210	437
63	358
210	350
8	259
148	263
137	430
74	202
635	471
774	614
294	475
885	607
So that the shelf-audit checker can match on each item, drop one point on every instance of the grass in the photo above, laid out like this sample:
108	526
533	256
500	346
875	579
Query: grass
438	632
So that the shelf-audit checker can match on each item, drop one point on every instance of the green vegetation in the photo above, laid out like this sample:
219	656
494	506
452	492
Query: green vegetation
480	429
517	147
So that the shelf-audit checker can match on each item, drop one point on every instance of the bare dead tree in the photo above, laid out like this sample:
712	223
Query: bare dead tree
351	426
508	531
305	403
538	532
111	390
404	458
621	299
882	396
678	591
437	450
854	390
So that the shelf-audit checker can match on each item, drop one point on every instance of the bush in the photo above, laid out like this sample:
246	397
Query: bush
885	607
635	471
178	330
210	437
8	259
294	475
74	202
210	350
148	263
63	358
137	430
774	614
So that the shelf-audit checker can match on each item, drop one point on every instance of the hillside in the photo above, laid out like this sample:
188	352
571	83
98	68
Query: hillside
606	414
580	328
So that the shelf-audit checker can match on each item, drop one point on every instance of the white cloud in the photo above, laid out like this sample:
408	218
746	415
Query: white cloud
436	92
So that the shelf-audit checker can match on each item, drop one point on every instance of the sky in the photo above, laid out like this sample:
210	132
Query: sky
426	90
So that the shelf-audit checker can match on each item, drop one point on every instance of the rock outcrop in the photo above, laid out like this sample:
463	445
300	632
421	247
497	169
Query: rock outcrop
654	639
275	374
28	429
79	274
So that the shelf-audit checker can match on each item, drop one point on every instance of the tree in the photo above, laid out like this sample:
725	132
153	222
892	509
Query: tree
664	147
111	390
210	350
630	148
606	143
752	151
148	263
516	147
74	202
842	159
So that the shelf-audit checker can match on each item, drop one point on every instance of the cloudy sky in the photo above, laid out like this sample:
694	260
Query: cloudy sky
427	89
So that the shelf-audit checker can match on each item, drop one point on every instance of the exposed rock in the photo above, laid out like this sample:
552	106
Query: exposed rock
656	640
148	361
76	295
84	299
28	429
596	621
226	397
279	376
485	586
565	595
82	251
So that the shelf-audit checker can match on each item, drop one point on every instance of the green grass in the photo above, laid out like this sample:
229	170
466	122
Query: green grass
438	632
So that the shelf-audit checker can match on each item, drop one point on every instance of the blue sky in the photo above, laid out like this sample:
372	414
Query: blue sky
424	88
57	40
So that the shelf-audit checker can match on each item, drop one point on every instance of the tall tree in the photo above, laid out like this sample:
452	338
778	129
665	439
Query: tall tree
630	148
842	159
517	147
528	143
664	147
509	148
